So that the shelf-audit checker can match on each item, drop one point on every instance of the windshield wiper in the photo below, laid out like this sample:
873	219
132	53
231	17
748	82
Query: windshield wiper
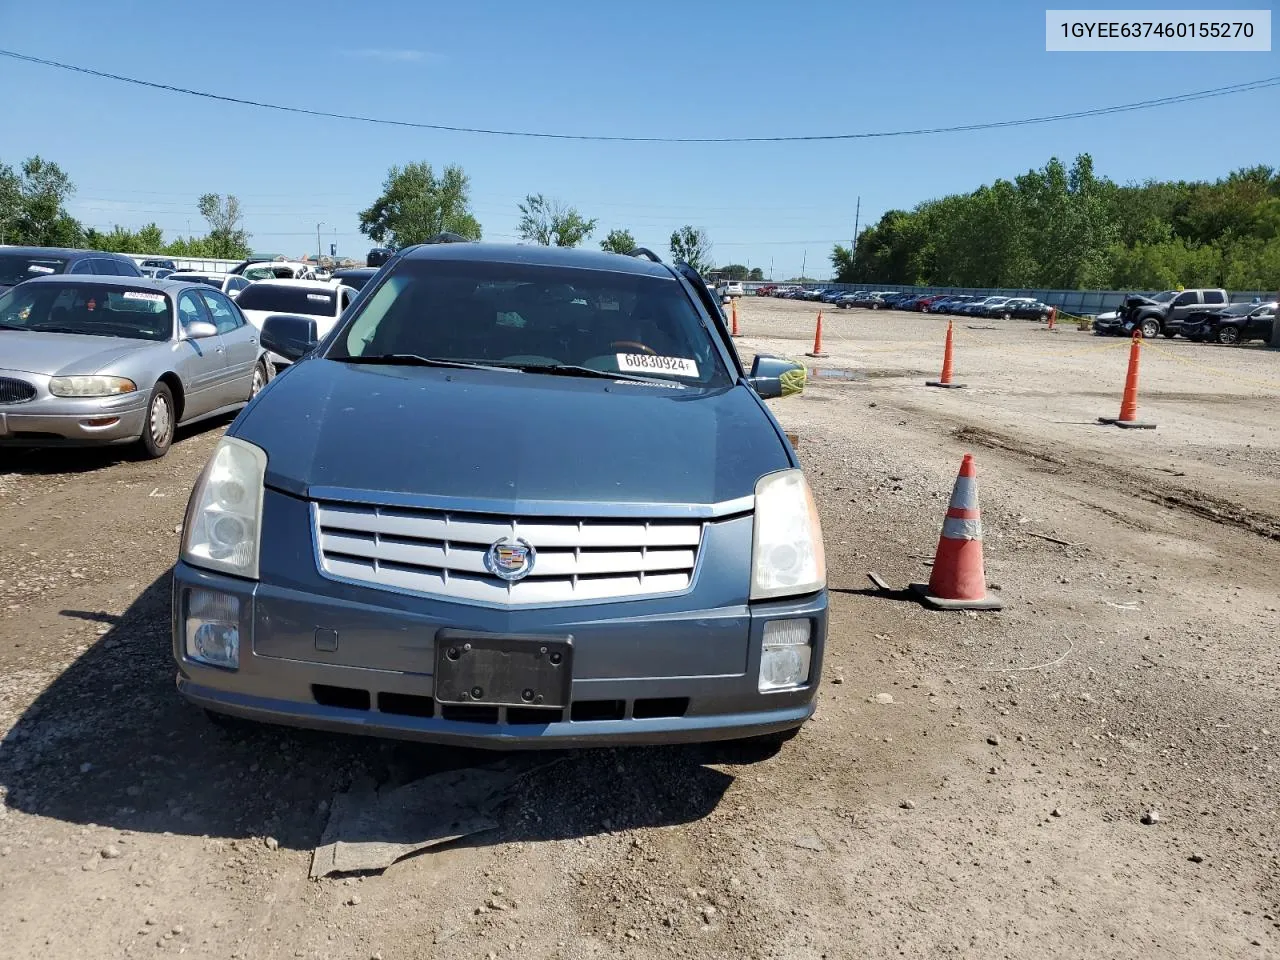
12	326
573	370
414	360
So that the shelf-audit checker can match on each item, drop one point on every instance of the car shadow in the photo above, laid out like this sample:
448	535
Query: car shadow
51	461
111	742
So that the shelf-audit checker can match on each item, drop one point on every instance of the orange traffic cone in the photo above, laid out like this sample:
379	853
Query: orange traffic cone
1129	403
958	580
945	379
733	309
817	339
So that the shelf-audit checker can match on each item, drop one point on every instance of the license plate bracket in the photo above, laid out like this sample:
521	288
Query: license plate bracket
503	670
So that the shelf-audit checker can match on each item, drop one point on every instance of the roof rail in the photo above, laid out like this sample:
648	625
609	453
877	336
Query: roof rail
448	237
646	253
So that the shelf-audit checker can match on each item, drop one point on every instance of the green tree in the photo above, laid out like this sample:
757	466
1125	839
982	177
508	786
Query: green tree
415	205
550	223
33	205
618	241
693	246
755	274
735	271
227	236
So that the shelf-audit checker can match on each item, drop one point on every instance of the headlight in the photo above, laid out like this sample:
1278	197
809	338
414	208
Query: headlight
787	556
224	514
91	386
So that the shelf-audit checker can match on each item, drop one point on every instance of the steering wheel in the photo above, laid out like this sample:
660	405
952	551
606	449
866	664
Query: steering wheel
636	345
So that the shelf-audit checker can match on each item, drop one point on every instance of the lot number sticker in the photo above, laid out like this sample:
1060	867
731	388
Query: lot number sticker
645	363
139	295
318	297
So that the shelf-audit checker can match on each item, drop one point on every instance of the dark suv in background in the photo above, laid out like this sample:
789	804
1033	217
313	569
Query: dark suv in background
23	263
1164	312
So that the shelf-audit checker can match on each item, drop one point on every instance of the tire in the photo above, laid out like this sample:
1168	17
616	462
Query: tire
1150	328
1006	315
1228	336
261	377
157	430
875	306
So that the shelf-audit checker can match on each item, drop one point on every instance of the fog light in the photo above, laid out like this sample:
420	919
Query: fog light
213	628
101	422
785	655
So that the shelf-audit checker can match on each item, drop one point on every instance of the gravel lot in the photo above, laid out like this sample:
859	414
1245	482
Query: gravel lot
972	785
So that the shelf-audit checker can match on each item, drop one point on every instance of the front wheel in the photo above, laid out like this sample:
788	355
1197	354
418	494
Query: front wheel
1228	335
1150	328
157	432
260	378
1006	315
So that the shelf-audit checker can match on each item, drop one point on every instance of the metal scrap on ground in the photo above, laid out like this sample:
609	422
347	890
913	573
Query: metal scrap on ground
370	829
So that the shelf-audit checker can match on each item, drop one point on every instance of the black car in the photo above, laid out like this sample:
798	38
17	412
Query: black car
377	256
23	263
355	277
1026	310
1236	323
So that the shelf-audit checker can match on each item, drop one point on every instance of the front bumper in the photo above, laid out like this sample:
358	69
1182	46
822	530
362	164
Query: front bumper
59	422
667	677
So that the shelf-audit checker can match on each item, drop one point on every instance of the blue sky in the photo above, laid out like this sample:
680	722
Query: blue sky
659	68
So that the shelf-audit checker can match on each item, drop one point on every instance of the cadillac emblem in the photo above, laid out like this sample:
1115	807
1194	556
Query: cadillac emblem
510	558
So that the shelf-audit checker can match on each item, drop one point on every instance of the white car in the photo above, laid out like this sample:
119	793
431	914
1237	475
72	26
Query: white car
229	283
734	289
279	270
323	300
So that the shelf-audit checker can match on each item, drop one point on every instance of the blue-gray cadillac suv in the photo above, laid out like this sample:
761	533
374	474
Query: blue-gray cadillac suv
519	496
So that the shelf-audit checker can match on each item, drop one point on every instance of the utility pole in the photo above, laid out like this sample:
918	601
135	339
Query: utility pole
771	268
803	261
319	249
853	250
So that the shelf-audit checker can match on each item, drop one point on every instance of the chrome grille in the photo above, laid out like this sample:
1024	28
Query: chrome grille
442	553
16	391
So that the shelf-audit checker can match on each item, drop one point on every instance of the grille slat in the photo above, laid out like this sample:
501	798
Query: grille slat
16	391
442	553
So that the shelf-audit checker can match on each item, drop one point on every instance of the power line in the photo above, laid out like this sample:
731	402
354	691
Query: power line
921	131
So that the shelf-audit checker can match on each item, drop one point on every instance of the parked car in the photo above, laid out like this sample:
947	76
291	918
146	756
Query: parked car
978	307
1236	323
24	263
377	256
832	295
354	277
120	360
156	273
459	408
157	263
321	300
1107	324
952	305
229	283
765	291
733	289
1026	308
1164	312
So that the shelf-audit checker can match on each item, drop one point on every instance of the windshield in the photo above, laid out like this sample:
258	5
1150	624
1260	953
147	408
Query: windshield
1240	309
535	316
1165	297
313	301
96	310
16	267
198	278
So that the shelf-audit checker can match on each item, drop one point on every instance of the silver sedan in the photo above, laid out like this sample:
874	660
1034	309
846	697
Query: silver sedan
116	360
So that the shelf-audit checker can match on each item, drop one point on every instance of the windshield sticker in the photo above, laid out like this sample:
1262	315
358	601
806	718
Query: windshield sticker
647	363
139	295
37	268
319	297
660	384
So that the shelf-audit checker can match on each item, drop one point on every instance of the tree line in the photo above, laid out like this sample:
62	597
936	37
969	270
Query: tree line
1067	228
33	212
417	204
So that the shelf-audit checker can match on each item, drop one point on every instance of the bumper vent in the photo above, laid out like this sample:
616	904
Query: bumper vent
16	391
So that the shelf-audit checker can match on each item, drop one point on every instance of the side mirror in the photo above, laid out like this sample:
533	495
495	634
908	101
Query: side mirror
773	376
200	330
289	336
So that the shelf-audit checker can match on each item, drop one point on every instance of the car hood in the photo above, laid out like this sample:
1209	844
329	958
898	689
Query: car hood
508	437
63	354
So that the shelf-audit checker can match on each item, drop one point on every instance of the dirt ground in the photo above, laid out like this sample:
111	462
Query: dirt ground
972	785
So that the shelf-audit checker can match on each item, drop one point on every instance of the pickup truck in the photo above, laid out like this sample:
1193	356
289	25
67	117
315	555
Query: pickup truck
1164	312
